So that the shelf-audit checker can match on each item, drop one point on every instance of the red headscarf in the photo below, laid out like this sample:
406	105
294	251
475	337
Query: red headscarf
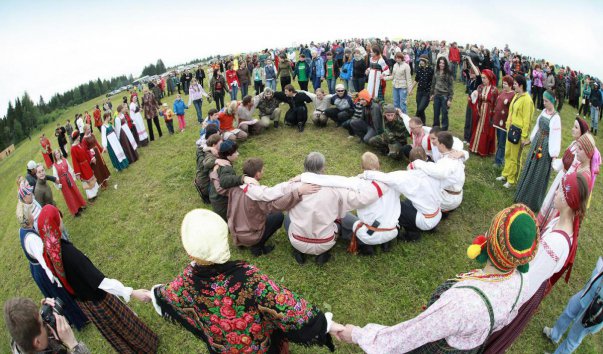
49	224
571	194
490	75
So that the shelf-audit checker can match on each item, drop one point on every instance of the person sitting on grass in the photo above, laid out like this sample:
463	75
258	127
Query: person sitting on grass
376	223
253	222
321	103
297	115
311	225
206	160
232	306
394	134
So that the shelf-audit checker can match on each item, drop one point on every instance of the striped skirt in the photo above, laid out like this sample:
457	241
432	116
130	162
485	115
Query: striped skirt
120	326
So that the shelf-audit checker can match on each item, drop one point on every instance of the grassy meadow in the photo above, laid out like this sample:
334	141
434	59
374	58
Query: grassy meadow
131	232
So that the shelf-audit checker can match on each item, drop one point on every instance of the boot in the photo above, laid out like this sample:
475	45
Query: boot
276	124
386	247
300	127
321	259
300	258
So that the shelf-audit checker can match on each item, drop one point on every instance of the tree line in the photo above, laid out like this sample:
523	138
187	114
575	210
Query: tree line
23	116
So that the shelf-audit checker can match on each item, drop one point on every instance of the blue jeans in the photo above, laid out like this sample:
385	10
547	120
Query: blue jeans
244	88
233	92
501	138
400	95
331	85
271	83
453	67
198	103
440	106
573	312
594	117
316	83
422	103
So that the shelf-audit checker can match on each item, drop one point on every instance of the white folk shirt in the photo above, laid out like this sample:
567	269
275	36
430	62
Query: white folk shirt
313	229
457	145
459	316
386	209
423	191
425	143
550	258
451	174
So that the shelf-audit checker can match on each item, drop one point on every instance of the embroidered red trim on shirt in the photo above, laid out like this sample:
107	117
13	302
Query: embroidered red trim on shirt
379	191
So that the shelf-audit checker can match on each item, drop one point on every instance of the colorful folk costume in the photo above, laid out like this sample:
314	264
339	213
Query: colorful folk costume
82	159
126	139
111	144
570	164
376	84
231	305
73	198
546	143
521	111
483	137
464	311
94	293
555	259
139	128
46	151
33	248
100	169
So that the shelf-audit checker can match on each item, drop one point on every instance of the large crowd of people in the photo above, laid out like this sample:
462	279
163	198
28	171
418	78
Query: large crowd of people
231	305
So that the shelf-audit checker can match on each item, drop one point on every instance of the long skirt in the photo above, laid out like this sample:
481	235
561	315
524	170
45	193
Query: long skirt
116	163
120	326
101	172
502	339
72	311
131	154
72	195
534	179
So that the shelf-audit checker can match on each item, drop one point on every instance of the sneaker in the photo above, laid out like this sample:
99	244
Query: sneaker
351	137
267	249
276	124
507	185
548	332
501	178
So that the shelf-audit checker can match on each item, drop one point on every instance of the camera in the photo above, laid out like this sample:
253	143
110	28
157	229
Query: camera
47	312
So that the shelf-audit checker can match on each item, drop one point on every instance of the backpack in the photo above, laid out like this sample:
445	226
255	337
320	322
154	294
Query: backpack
594	312
346	71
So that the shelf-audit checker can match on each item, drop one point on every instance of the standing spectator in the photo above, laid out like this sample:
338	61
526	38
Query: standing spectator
537	86
195	96
345	73
496	64
285	71
259	78
302	72
176	81
200	76
560	89
577	311
169	83
358	71
501	112
585	98
317	69
441	93
402	80
61	138
331	72
423	79
233	82
179	108
98	121
472	82
65	175
483	131
188	77
46	150
595	107
244	78
270	74
168	117
150	107
376	68
69	129
454	56
217	84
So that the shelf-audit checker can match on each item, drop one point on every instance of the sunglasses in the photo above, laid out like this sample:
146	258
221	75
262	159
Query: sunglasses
340	91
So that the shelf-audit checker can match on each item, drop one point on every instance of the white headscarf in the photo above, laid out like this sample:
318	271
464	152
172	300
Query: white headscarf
205	236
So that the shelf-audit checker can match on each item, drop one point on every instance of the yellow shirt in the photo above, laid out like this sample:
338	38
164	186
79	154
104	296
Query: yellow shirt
521	111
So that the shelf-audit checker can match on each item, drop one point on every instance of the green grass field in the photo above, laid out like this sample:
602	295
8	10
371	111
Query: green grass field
132	233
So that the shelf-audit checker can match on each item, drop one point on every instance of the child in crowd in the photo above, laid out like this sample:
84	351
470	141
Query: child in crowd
179	107
168	116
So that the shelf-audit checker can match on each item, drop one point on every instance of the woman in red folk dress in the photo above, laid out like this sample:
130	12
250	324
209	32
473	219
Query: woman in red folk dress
82	159
64	173
46	151
483	138
101	172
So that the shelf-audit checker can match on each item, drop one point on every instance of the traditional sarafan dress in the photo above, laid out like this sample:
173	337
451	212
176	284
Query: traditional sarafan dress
138	121
101	172
111	143
126	138
33	248
95	294
235	308
72	195
483	138
46	152
534	178
82	160
377	69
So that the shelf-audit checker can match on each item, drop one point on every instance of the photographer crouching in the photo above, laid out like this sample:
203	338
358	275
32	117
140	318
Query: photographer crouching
40	331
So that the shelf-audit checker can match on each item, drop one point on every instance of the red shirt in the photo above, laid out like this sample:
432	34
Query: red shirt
231	76
454	55
226	121
97	118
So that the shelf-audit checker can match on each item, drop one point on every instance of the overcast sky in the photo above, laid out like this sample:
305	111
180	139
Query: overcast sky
52	46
